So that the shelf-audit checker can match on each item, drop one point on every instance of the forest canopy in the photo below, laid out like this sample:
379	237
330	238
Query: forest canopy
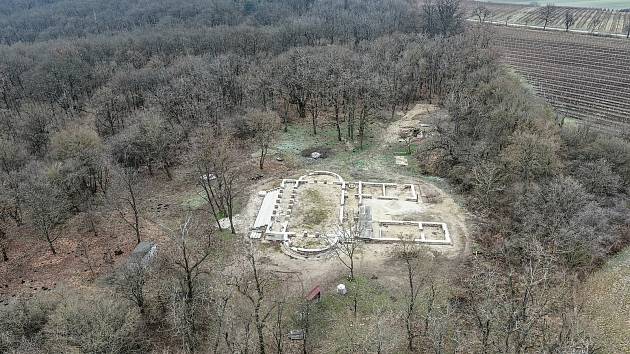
99	98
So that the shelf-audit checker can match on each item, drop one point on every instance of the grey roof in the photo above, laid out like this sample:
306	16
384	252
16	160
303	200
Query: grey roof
143	248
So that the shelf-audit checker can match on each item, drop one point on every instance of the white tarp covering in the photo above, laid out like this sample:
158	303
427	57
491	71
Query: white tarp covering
266	209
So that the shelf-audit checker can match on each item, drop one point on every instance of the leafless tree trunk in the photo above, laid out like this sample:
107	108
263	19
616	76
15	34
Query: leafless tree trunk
188	265
350	113
220	321
337	123
409	252
3	245
279	327
306	326
487	180
255	289
205	181
130	282
50	239
569	20
314	107
363	122
223	157
482	13
348	242
128	198
188	259
546	13
264	126
84	252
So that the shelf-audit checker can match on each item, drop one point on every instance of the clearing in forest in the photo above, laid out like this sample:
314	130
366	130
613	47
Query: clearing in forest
305	214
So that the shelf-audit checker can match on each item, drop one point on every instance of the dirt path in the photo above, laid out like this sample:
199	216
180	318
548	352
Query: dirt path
412	118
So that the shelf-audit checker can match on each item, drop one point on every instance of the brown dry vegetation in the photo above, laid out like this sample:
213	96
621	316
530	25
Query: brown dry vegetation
120	126
607	303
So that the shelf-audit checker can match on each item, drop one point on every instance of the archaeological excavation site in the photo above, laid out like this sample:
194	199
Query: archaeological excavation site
307	215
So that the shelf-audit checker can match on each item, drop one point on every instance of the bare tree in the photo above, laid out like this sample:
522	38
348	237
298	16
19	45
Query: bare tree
410	253
264	126
488	180
482	13
84	252
346	241
596	20
626	26
283	309
91	215
527	304
9	216
220	161
279	327
210	195
369	98
546	14
4	223
256	287
291	71
189	256
480	286
48	207
569	20
13	194
442	17
131	282
126	197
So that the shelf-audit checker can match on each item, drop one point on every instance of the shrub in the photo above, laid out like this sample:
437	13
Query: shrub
93	323
21	324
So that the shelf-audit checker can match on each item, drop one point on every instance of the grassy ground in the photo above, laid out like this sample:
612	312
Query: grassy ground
316	211
608	304
336	327
346	158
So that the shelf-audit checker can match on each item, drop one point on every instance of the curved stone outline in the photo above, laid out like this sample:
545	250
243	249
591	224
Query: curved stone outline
283	235
340	181
312	251
323	173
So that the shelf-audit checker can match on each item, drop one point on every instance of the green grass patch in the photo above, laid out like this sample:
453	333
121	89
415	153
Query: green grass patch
371	297
300	137
334	315
195	201
571	123
225	234
347	159
316	210
607	305
402	150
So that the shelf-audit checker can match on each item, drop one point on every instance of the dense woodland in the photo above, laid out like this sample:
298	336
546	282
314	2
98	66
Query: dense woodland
98	95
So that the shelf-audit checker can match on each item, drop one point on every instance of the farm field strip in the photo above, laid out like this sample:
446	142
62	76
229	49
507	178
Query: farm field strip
588	81
586	19
608	83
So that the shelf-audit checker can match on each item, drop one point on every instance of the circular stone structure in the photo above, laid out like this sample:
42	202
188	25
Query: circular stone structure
304	214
